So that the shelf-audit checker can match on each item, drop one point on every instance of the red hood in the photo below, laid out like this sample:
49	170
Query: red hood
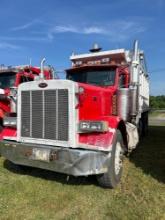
95	102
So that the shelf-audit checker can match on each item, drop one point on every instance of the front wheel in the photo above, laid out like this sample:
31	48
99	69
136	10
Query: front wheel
115	166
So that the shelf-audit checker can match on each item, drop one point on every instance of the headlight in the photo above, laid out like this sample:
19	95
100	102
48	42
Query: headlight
10	122
93	126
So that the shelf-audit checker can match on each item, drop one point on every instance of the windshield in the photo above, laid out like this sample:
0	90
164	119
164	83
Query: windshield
100	77
7	80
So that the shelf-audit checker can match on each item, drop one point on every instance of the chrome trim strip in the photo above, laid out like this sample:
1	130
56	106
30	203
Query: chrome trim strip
30	113
56	114
43	112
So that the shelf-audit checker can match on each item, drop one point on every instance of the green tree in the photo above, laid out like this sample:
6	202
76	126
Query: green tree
157	102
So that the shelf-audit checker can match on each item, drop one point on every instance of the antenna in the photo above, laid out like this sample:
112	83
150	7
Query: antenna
30	62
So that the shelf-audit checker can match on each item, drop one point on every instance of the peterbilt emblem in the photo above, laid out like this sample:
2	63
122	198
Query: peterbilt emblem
43	85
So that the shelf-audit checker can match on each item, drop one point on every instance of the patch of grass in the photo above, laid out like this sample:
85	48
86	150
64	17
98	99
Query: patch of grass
40	194
157	114
157	118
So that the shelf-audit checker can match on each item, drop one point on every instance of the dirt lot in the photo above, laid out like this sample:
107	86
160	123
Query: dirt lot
39	194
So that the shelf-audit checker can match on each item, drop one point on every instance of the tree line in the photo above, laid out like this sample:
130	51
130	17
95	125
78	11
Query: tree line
157	102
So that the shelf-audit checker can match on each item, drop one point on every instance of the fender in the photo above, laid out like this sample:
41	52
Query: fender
104	141
117	123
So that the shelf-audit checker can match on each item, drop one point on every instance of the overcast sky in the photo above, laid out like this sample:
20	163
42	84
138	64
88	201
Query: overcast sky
54	29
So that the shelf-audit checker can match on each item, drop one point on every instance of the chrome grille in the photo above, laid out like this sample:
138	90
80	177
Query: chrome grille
25	105
36	114
62	115
44	114
50	112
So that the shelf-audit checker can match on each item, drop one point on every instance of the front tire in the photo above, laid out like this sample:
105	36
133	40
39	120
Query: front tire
115	166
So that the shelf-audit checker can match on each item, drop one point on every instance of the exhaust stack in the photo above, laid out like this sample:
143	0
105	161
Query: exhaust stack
42	68
136	48
135	79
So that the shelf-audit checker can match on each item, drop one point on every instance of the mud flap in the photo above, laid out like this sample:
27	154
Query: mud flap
133	137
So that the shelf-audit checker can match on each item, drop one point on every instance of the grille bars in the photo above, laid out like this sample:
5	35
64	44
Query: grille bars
44	114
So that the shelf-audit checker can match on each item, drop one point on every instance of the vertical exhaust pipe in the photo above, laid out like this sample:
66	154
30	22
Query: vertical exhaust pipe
136	45
134	79
42	68
135	62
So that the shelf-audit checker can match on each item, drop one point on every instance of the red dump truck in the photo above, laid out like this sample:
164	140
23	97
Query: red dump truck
85	124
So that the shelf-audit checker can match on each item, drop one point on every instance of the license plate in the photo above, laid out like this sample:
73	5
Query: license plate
41	154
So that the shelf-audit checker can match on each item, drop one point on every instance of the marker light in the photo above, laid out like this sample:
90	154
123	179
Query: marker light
81	90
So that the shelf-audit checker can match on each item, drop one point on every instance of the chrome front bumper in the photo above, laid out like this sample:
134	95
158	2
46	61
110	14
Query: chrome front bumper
76	162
